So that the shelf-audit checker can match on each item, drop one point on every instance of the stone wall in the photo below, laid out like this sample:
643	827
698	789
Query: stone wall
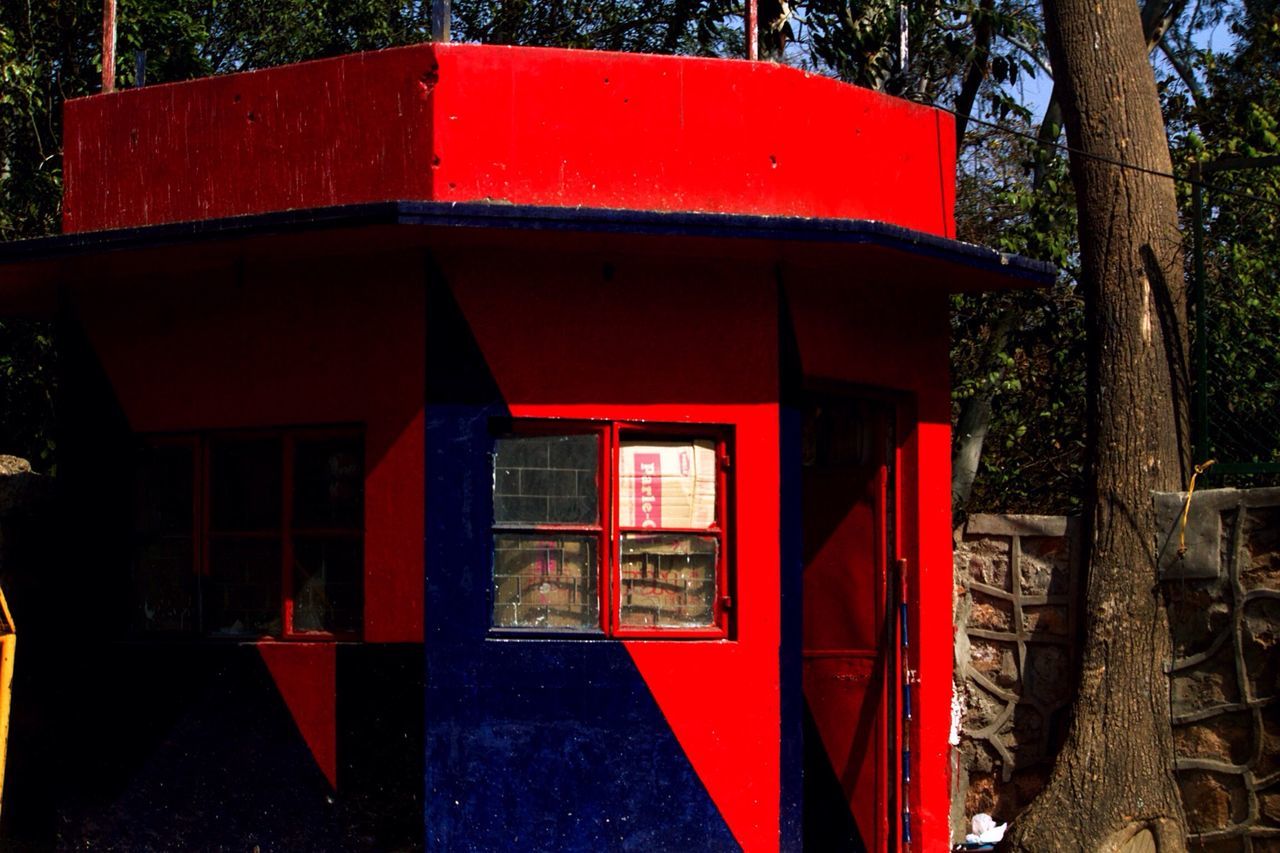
1017	617
1221	577
1018	593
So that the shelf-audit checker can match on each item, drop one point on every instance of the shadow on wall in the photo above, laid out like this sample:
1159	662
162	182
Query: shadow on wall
177	744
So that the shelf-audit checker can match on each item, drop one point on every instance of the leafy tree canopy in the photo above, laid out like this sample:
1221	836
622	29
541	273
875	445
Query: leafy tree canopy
1224	115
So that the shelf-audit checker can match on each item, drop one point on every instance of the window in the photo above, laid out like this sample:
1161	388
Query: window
611	528
250	535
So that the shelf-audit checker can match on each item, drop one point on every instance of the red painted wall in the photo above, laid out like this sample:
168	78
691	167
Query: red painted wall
662	341
334	341
306	342
296	343
684	339
515	125
881	334
584	334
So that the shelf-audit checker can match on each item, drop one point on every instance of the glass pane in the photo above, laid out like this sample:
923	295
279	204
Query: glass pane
668	581
545	582
164	576
164	584
242	592
245	484
328	584
328	483
164	490
546	479
667	484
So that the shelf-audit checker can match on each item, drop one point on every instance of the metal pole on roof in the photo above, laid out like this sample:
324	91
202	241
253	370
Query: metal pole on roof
904	40
753	30
109	45
441	19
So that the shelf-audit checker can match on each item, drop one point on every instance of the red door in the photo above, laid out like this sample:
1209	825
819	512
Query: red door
846	492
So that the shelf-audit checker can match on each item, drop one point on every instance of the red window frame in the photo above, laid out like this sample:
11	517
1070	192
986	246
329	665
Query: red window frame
608	530
203	533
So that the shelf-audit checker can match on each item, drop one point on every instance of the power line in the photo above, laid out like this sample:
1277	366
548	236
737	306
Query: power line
1113	161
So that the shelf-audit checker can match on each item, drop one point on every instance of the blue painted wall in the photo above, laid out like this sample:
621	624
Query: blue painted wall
531	744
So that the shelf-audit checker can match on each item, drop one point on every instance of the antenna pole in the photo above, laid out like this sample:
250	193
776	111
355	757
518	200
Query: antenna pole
441	20
109	45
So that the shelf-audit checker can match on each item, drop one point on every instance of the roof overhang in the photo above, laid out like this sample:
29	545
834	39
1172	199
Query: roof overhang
31	271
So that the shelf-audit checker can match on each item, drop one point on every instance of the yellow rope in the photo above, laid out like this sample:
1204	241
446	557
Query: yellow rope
8	645
6	618
1186	509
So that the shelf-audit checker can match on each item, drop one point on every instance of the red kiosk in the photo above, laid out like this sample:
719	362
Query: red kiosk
479	447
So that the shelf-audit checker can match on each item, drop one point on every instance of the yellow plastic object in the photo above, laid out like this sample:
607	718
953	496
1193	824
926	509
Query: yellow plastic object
8	642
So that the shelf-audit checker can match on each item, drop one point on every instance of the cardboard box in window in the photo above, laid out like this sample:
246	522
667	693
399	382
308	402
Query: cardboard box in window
541	582
667	484
668	597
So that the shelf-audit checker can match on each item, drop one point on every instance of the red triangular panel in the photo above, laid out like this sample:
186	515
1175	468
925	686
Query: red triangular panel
721	701
306	676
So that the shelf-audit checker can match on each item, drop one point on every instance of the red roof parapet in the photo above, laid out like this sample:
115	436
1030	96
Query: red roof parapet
524	126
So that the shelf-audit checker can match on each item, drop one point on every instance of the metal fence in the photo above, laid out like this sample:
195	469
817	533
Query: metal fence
1236	330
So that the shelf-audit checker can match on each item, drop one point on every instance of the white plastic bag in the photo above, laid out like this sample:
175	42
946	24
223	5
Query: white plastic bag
985	830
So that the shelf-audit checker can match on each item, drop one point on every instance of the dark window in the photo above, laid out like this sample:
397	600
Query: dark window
610	528
165	525
251	535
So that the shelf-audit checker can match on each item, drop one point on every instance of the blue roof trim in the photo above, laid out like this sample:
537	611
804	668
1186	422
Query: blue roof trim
499	216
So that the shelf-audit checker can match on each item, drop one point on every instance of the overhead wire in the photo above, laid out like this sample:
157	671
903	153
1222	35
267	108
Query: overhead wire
1070	149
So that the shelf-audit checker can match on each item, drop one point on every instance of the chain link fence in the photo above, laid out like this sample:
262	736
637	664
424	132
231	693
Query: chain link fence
1236	331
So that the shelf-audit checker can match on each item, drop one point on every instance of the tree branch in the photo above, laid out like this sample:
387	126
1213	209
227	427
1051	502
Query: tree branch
1031	53
1157	17
977	70
1183	71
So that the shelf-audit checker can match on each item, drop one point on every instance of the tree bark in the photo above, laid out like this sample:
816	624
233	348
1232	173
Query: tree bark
1112	784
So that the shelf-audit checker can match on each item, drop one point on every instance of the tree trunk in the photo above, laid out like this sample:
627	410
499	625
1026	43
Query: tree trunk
975	417
1113	785
975	412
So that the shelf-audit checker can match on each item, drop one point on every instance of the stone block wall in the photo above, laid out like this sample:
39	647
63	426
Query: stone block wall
1221	577
1017	617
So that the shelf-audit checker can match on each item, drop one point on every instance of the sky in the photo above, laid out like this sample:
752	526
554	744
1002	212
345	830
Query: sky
1036	90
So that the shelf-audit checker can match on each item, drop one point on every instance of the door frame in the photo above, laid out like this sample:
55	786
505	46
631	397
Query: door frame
899	406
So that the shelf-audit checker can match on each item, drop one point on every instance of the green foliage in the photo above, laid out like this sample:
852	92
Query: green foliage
27	392
1235	115
1017	197
1217	105
857	41
700	27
